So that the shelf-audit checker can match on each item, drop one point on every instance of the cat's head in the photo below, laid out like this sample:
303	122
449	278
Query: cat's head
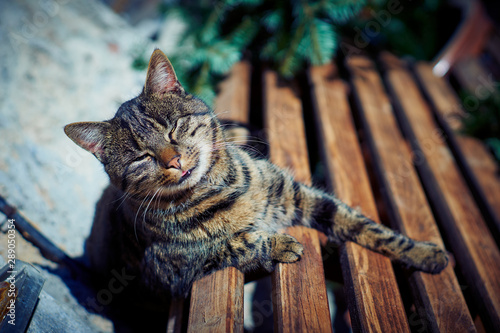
161	141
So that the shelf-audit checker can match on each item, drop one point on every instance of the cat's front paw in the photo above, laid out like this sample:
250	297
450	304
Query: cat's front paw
432	258
285	248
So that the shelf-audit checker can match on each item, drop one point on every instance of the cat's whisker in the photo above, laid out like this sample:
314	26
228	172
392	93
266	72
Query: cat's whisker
245	146
256	141
251	139
123	198
147	207
245	140
253	149
219	113
158	199
137	214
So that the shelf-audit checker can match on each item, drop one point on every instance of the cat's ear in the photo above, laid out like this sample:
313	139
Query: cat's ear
161	78
89	135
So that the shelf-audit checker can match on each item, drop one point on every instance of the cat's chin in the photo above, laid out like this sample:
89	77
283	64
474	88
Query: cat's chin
170	191
186	181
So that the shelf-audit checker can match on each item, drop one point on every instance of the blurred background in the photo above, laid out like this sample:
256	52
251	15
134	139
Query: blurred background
64	61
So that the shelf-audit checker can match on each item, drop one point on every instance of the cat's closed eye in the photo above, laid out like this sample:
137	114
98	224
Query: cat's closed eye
146	157
171	137
171	134
193	133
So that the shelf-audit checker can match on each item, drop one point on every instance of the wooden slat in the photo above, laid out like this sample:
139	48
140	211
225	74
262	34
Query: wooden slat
479	165
217	303
474	247
438	296
299	291
217	299
233	98
374	300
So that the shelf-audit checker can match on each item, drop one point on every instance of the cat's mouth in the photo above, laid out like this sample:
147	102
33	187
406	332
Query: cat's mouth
185	175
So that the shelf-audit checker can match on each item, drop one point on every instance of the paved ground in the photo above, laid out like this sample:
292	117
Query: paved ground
62	61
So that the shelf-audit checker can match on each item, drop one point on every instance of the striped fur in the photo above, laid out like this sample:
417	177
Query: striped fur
184	201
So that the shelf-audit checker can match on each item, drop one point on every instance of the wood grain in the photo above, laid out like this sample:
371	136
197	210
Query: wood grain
474	247
217	299
299	291
374	300
438	297
478	163
233	98
217	303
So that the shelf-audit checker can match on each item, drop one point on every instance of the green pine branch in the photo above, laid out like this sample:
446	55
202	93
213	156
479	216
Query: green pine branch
289	34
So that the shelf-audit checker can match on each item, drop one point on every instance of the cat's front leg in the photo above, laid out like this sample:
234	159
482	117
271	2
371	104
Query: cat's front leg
172	268
249	251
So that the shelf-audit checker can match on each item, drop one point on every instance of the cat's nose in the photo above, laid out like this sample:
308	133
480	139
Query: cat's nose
170	158
175	162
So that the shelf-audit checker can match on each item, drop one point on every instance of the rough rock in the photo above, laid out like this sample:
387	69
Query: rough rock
62	61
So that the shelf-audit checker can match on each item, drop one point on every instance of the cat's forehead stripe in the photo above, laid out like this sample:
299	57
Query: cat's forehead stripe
138	115
197	114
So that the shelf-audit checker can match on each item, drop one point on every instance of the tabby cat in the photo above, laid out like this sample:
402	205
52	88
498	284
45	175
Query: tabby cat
184	201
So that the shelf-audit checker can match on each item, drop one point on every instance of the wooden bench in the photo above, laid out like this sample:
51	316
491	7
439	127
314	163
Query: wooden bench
388	145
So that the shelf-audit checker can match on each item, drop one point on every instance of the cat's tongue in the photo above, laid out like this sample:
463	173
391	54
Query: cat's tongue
185	174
